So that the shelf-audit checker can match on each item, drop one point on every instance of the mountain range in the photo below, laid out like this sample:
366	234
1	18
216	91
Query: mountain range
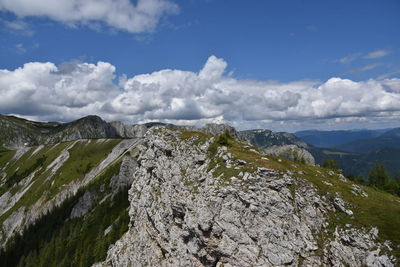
330	139
357	151
93	193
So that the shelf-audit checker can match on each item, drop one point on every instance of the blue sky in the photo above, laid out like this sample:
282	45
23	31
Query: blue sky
290	42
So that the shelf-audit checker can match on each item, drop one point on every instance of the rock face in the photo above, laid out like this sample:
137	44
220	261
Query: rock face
182	215
292	153
84	128
129	131
18	132
217	129
125	177
266	138
354	248
84	204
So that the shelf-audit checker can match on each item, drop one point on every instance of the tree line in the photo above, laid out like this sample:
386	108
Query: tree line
378	177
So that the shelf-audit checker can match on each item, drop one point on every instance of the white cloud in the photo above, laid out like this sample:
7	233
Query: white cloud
71	90
377	54
17	26
388	74
372	55
120	14
348	59
20	48
366	67
44	89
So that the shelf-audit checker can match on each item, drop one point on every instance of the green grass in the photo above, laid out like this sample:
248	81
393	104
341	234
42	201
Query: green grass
199	138
81	161
6	156
83	156
16	177
239	151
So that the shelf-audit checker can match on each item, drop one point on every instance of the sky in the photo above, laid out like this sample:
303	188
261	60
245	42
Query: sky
276	64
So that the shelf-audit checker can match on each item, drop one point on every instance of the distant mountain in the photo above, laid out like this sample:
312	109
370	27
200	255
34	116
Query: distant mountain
361	164
267	138
17	132
371	144
328	139
356	151
393	133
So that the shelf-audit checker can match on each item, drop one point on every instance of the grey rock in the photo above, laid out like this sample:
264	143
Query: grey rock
124	178
353	247
340	205
292	153
84	205
217	129
358	191
129	131
266	138
181	215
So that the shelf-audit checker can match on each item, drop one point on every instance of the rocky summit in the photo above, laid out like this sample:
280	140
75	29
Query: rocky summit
182	196
193	207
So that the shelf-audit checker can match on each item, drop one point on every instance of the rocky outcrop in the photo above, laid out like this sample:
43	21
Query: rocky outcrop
17	132
85	203
181	214
292	153
125	177
85	128
129	131
217	129
266	138
352	247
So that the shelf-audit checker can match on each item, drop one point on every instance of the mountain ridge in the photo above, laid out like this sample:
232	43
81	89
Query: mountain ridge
191	196
330	139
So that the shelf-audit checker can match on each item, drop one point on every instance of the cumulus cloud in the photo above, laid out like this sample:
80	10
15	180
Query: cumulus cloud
75	89
43	89
120	14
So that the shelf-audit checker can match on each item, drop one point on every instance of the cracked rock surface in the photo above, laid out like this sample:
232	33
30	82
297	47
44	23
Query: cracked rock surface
181	215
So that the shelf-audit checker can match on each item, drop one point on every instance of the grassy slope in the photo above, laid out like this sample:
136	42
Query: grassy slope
84	155
379	209
74	242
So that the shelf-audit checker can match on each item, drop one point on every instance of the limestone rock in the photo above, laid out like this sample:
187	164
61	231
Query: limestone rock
266	138
181	215
292	153
129	131
217	129
125	177
84	204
